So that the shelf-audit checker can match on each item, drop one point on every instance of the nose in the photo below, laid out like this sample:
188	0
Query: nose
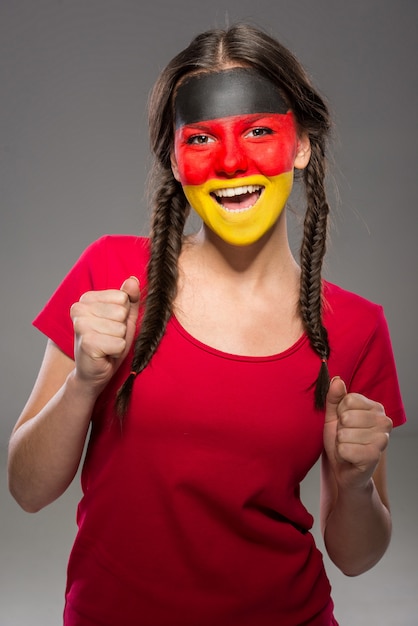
232	159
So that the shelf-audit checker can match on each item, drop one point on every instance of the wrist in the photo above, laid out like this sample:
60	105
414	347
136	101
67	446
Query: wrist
82	390
356	494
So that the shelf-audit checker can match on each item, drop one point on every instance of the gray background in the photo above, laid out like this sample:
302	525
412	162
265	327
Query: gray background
74	79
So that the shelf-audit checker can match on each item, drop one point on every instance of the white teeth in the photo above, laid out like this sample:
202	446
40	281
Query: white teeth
236	191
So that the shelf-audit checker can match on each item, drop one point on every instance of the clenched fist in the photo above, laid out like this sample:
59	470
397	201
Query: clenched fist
104	328
356	433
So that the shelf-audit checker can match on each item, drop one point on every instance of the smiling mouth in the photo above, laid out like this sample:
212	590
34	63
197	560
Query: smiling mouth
238	199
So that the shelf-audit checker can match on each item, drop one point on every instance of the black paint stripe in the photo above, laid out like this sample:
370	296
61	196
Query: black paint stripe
238	91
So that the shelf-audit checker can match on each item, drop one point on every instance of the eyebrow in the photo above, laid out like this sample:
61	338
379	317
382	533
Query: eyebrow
246	119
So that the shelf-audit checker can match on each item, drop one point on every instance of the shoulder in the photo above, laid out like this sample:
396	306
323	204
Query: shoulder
340	304
361	348
354	324
112	258
351	320
106	263
123	245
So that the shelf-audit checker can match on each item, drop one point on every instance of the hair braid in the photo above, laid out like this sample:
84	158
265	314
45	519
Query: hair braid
169	216
210	51
311	257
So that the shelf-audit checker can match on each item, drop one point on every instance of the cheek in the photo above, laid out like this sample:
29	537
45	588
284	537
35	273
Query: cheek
270	159
275	157
195	166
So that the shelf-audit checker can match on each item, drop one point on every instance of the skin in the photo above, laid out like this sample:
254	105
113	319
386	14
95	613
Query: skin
224	292
355	515
48	440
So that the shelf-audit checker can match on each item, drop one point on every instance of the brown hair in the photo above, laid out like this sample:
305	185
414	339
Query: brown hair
210	51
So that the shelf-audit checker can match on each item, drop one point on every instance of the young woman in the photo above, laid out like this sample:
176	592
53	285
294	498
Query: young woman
203	365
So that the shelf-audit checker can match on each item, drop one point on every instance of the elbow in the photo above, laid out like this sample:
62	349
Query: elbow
352	572
28	507
20	483
29	499
26	504
21	493
356	567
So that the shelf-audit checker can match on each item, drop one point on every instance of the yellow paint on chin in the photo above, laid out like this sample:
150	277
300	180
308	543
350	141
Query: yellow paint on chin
241	227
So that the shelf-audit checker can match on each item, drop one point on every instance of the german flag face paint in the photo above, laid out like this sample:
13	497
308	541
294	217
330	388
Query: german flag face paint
234	152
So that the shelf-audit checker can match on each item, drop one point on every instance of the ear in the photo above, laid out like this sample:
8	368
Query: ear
174	166
303	152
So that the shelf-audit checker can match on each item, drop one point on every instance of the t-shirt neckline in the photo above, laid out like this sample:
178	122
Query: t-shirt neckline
236	357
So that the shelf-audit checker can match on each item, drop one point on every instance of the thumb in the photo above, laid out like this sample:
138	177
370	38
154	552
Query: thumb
336	392
131	287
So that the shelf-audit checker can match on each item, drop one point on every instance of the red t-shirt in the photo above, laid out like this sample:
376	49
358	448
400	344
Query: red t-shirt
191	513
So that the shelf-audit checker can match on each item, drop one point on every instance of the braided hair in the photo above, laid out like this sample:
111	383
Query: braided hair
211	51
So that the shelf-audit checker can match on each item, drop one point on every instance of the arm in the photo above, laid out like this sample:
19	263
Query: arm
355	516
47	442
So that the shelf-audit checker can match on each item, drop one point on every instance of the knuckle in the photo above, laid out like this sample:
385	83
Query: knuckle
75	310
379	409
121	298
78	325
87	296
120	330
385	442
343	418
341	435
87	342
120	314
122	345
350	401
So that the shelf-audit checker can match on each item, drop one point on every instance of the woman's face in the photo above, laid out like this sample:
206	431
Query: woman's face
235	148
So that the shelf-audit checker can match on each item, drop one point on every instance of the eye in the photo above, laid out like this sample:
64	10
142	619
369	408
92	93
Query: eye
260	131
199	140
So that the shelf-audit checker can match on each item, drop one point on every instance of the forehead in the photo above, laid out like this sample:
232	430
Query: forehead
236	91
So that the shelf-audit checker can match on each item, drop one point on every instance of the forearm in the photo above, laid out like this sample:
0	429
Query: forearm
358	530
45	451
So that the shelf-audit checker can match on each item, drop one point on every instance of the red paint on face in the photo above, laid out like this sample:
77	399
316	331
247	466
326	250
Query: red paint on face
240	145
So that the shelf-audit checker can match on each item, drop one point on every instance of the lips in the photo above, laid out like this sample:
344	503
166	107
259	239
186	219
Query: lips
240	210
238	199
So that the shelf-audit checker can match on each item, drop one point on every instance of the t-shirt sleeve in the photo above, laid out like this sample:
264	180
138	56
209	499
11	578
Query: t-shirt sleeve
86	275
105	264
375	375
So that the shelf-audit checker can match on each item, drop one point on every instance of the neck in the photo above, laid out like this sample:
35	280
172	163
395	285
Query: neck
268	258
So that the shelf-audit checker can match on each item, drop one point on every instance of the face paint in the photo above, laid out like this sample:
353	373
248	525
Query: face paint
242	90
235	146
